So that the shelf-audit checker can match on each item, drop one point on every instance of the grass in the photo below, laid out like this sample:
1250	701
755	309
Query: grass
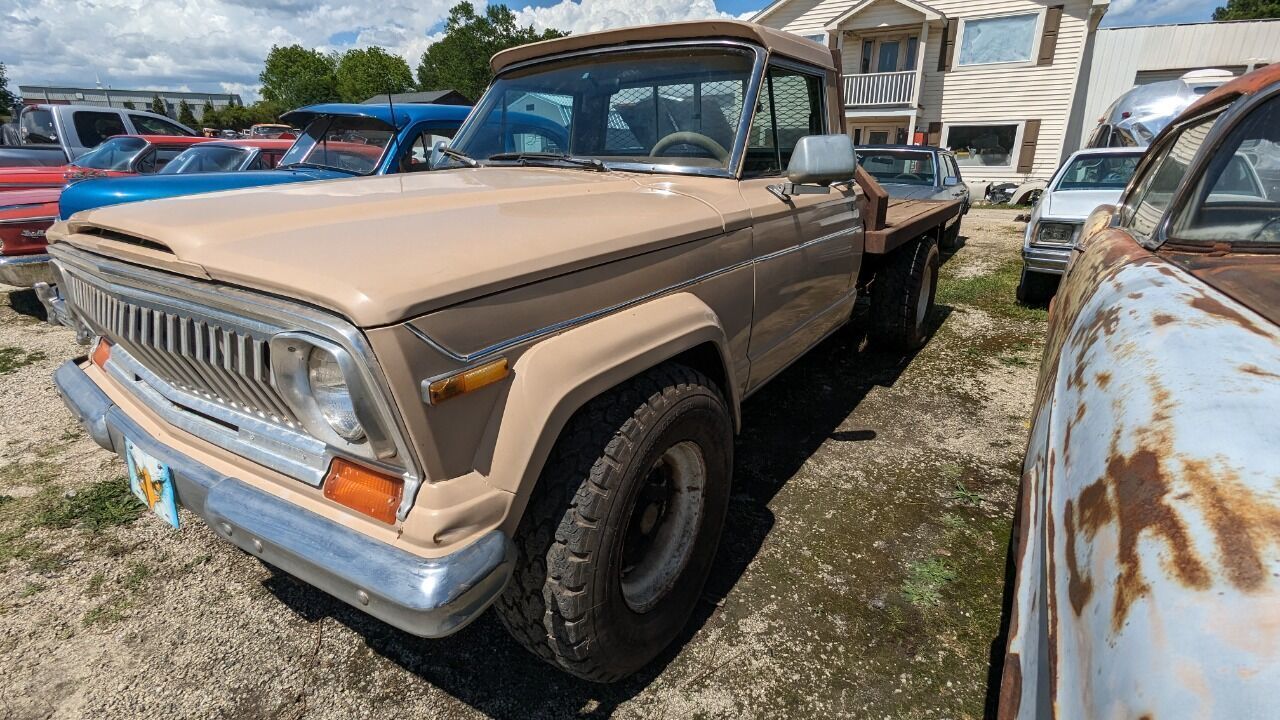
13	358
109	612
106	503
923	586
994	292
965	495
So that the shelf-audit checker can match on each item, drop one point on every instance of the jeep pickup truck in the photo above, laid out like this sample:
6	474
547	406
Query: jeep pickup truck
514	381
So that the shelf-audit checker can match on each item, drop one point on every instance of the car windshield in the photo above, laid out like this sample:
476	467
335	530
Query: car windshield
341	142
206	158
1237	199
114	154
898	168
1099	172
675	109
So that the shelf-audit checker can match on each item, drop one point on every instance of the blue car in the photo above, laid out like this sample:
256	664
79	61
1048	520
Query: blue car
340	141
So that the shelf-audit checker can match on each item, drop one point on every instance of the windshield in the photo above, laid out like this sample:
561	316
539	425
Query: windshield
898	168
1099	172
675	108
206	158
1237	200
339	142
35	127
114	154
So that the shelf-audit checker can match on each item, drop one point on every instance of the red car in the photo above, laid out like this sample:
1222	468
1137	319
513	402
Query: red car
116	156
24	216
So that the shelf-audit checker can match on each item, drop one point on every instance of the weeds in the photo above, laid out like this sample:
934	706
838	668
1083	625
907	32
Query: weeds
106	503
965	495
924	586
13	358
995	292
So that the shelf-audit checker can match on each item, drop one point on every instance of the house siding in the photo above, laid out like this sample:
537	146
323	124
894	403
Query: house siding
964	95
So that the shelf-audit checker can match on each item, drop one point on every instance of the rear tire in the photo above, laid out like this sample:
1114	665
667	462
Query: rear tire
1036	288
619	535
902	295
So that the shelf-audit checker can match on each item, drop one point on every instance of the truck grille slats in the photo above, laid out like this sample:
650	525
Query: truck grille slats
222	364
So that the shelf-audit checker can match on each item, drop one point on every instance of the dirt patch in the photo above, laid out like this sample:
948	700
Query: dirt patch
860	573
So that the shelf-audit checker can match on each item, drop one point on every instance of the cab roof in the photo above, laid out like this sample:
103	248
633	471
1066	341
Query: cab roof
776	41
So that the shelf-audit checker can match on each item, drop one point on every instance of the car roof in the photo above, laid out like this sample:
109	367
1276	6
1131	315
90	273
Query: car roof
777	41
917	148
405	112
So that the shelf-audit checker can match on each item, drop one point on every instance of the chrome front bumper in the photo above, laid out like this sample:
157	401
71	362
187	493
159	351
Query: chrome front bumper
25	270
428	597
1048	260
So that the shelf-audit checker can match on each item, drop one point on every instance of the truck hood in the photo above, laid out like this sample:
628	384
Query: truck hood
380	250
1077	204
100	193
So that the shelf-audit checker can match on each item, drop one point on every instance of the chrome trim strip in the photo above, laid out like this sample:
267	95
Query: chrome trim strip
572	322
24	221
427	597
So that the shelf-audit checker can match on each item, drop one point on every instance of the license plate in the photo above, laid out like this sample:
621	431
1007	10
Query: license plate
152	482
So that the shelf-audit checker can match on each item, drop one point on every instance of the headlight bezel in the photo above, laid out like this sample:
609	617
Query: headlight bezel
1072	231
290	361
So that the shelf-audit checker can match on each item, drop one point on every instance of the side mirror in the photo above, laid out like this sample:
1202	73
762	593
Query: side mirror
819	160
951	181
437	152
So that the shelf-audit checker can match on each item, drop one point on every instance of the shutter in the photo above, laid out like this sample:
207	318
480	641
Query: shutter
1027	154
935	134
948	48
1049	41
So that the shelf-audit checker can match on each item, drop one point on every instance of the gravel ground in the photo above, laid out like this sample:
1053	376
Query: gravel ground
860	576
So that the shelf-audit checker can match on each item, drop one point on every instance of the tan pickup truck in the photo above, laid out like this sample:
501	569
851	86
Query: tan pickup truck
515	381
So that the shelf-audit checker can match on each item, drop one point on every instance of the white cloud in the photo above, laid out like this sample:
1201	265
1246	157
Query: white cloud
592	15
220	45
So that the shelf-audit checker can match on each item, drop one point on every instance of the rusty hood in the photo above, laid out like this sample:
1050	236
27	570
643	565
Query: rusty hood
379	250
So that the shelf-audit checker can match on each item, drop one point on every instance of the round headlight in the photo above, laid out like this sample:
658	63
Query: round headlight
332	395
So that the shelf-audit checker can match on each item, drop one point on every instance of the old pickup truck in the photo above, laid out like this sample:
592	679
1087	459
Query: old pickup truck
514	381
59	134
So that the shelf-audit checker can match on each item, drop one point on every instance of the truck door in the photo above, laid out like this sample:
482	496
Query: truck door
807	248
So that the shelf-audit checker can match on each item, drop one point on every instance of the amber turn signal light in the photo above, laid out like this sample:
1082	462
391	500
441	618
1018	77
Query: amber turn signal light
467	381
101	353
363	490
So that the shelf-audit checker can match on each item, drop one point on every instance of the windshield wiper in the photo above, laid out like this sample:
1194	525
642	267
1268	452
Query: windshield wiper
317	166
460	156
527	158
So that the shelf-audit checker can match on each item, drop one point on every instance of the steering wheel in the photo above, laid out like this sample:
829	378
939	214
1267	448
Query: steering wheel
909	176
690	138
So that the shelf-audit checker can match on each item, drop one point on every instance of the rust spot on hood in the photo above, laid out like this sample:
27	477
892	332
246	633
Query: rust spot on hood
1214	307
1162	319
1251	369
1242	523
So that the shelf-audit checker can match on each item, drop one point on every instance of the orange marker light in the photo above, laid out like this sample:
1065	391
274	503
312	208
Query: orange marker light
363	490
467	381
101	353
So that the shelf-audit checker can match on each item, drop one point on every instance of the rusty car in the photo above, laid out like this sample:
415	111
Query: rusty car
1147	546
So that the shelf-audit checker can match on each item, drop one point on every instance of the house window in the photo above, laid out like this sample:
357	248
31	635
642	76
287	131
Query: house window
983	145
913	44
867	46
1007	39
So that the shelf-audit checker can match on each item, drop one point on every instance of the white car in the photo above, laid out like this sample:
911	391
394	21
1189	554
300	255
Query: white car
1087	179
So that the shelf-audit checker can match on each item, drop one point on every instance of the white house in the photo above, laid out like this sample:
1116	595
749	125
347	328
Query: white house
994	80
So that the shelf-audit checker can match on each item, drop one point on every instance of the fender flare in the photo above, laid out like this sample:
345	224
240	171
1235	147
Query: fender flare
556	377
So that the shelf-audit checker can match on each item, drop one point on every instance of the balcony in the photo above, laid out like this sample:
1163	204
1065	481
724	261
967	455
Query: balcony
880	89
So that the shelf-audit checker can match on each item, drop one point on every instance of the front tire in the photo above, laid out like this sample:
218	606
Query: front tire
902	295
619	536
951	236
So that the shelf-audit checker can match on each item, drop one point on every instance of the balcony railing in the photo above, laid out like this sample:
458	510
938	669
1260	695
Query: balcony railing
874	89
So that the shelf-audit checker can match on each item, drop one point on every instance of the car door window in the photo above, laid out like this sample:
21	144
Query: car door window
148	125
790	107
163	155
952	170
146	162
417	156
94	127
1154	191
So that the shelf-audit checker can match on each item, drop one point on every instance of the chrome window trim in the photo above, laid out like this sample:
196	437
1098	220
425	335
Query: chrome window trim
536	334
749	98
268	314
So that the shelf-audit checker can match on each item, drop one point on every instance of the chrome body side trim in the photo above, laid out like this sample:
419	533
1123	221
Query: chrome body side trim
427	597
588	317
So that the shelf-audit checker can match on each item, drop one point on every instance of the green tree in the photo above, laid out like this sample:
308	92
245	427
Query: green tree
460	60
361	74
295	76
1248	10
207	111
185	114
157	105
7	100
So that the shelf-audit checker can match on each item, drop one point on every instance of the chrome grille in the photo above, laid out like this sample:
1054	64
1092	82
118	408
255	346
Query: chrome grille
225	365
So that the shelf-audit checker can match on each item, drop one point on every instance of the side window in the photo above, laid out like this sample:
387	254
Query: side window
163	155
146	163
268	160
148	125
789	108
417	156
94	127
952	170
1154	191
